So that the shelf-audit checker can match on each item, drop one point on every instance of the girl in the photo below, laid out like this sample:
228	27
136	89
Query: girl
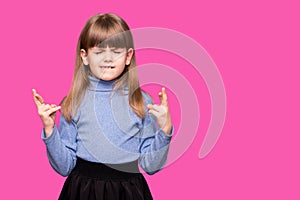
108	124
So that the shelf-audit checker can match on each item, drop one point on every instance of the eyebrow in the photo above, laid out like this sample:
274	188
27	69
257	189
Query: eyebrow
102	48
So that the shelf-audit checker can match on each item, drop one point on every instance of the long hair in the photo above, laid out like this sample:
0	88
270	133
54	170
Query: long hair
102	30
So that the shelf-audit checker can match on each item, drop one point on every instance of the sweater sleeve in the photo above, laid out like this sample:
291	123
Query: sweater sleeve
61	147
154	144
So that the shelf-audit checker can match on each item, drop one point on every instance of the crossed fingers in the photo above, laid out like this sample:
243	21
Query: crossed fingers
43	109
158	110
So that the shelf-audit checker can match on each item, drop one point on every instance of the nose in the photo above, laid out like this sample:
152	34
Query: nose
108	56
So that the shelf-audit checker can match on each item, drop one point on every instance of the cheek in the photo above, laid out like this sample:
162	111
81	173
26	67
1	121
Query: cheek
119	62
89	60
94	59
120	70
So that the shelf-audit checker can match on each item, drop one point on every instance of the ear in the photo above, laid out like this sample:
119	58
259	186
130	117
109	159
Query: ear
83	55
129	56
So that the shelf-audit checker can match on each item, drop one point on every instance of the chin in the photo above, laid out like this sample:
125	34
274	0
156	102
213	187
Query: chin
107	78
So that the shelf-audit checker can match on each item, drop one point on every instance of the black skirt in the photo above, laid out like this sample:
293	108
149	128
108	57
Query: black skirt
97	181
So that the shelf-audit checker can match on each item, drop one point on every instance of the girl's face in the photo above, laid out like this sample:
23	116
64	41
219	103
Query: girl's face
107	63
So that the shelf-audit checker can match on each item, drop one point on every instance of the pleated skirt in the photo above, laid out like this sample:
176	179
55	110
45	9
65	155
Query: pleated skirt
97	181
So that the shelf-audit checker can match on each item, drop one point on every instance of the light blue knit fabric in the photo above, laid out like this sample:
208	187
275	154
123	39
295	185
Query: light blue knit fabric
105	129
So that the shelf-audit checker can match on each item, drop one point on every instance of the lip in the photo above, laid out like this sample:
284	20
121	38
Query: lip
107	67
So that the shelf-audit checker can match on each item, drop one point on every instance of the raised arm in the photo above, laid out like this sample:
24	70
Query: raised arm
156	135
61	144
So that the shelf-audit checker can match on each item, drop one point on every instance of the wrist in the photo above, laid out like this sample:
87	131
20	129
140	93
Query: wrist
48	130
167	130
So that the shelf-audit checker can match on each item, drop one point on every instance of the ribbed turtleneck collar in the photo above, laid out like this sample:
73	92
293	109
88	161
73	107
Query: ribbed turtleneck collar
100	85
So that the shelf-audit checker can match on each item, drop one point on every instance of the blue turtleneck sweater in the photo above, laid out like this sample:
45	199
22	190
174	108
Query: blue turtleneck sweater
105	129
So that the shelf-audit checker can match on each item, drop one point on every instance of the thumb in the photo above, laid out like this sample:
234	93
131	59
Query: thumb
153	112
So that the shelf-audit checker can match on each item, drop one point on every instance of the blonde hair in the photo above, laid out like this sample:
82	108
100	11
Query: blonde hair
102	30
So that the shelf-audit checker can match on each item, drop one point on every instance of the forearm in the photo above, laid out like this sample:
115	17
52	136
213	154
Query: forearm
61	158
154	152
48	131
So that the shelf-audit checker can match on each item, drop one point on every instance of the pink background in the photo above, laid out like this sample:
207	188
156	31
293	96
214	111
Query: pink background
256	48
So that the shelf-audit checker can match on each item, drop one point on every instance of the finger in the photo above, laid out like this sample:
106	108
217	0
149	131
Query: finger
46	107
160	97
52	110
43	108
153	107
153	112
38	98
164	100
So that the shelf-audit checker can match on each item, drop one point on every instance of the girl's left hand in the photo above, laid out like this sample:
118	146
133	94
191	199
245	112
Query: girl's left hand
161	112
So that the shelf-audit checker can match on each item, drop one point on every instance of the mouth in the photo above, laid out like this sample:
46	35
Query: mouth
107	67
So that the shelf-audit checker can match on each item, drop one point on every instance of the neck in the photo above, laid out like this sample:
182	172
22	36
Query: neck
97	84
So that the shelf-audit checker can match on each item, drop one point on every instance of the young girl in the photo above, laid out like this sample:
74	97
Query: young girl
108	124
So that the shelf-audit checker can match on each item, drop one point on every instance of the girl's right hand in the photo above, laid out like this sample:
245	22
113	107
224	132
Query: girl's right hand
46	112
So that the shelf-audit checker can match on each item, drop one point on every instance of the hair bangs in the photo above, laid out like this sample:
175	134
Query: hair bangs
104	34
